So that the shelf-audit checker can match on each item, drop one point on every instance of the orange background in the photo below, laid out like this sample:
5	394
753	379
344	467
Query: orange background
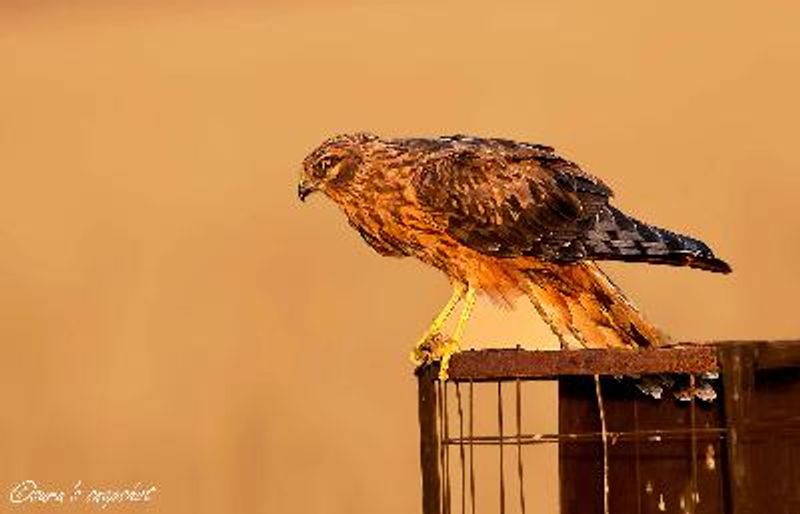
171	314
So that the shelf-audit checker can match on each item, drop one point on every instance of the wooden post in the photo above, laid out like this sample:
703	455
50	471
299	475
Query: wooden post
429	439
761	386
738	380
661	467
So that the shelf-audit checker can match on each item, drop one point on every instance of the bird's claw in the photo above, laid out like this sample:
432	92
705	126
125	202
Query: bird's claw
424	351
433	348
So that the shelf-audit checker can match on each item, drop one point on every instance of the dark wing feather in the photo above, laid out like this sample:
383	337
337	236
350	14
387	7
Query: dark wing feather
509	200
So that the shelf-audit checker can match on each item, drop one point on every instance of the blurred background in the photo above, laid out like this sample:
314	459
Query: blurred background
171	314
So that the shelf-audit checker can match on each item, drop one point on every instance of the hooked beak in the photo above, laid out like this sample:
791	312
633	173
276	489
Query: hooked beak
304	188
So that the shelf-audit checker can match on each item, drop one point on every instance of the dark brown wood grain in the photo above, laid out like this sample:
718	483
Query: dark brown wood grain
748	467
429	440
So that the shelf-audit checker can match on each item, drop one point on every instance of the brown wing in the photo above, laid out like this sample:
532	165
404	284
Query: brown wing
509	199
510	202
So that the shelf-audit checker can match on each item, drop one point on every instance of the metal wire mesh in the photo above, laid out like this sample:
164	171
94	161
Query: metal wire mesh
657	456
457	440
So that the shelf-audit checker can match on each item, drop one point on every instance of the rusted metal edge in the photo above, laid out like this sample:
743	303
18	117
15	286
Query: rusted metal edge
511	364
516	363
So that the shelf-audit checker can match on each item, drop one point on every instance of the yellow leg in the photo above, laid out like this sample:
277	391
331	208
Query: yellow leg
454	344
418	353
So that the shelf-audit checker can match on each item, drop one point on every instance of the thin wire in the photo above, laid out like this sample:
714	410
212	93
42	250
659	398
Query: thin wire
442	469
519	449
461	451
605	442
591	437
637	453
693	415
471	451
447	488
500	430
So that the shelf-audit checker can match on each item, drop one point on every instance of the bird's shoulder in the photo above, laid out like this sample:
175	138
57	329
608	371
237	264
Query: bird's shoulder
470	158
460	164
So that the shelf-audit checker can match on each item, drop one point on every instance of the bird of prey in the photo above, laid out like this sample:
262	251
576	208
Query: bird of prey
502	218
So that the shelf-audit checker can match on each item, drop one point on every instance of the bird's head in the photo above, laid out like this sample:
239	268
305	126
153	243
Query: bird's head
332	166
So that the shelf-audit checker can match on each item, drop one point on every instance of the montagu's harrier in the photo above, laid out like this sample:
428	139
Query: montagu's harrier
501	218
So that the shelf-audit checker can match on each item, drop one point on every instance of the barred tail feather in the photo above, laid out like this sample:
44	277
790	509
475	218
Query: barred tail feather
622	238
586	310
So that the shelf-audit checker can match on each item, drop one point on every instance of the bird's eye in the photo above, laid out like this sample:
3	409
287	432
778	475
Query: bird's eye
325	164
